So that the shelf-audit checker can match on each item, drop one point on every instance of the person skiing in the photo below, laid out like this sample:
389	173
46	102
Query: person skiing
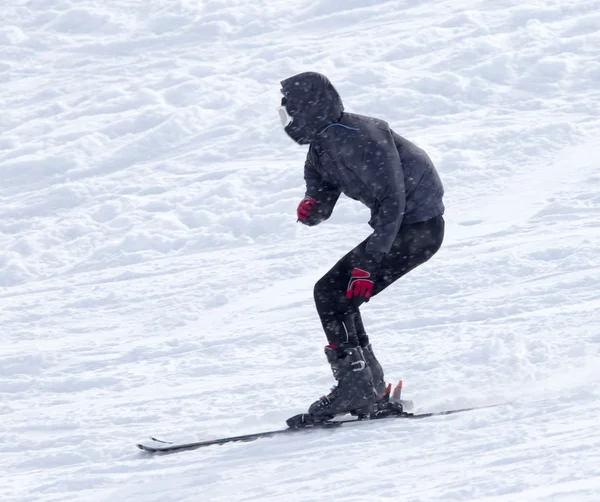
366	160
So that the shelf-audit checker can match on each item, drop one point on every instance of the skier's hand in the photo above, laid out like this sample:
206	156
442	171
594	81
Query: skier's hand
362	279
360	285
304	209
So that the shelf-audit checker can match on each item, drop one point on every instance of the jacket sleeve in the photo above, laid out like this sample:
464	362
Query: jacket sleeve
388	179
325	194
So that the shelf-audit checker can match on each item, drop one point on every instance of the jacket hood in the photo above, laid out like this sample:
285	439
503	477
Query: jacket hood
313	103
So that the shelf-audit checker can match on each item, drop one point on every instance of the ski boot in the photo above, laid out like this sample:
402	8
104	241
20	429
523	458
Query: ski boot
376	371
353	393
382	390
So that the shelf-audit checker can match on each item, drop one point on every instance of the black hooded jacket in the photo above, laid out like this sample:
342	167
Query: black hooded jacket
361	157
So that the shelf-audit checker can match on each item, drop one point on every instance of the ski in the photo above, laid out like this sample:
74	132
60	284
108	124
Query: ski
159	446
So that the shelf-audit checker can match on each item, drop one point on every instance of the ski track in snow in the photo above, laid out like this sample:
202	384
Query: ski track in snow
153	279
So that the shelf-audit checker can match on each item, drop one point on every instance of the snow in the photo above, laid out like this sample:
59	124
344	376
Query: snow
153	279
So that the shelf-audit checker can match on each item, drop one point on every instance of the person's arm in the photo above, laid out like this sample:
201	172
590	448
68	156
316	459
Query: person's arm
320	197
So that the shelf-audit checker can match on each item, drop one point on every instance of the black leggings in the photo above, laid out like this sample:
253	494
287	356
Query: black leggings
414	245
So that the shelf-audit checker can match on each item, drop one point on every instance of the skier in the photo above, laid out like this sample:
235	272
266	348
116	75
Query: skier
366	160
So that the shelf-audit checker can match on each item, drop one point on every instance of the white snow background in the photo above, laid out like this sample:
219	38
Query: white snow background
154	281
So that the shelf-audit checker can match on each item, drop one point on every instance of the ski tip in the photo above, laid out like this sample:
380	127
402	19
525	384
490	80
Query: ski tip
144	448
156	440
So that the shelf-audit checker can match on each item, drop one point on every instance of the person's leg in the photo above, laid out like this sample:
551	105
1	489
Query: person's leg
335	311
415	244
354	392
361	332
349	352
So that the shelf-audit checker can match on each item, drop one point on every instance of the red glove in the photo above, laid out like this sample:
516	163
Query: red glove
360	285
305	207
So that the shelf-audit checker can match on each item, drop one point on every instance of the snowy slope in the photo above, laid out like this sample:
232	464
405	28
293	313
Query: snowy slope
153	279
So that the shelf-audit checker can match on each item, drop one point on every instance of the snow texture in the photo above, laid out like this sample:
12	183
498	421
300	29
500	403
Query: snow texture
153	279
